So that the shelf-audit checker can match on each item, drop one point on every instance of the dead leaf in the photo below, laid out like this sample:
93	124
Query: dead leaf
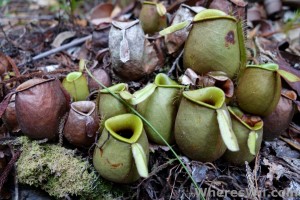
238	7
150	57
290	94
282	149
102	10
293	143
46	3
199	172
287	67
4	64
61	37
4	103
155	147
275	170
185	80
100	37
103	13
293	164
174	41
81	22
193	77
294	187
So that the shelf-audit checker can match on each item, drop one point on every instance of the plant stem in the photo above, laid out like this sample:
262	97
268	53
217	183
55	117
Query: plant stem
150	125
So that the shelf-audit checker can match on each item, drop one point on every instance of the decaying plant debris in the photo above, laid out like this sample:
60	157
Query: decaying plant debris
72	32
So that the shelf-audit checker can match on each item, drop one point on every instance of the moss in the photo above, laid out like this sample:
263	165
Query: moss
60	172
31	165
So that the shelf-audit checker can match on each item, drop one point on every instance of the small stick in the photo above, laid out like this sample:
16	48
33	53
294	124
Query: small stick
16	196
7	169
175	62
58	49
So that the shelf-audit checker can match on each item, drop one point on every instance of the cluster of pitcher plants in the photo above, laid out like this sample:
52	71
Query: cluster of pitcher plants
206	123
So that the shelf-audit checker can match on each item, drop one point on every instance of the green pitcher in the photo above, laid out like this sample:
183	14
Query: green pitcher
249	133
160	108
122	151
108	106
215	43
153	17
203	126
76	85
258	89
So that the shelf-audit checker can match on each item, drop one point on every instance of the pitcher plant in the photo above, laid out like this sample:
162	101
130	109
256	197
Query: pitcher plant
203	126
258	89
82	124
249	133
107	105
153	17
122	151
158	103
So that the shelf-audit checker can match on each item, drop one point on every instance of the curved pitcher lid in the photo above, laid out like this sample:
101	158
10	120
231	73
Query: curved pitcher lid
124	25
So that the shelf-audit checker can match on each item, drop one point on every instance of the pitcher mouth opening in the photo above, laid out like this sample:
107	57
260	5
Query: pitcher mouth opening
126	133
162	80
126	128
73	76
211	97
83	107
115	88
251	122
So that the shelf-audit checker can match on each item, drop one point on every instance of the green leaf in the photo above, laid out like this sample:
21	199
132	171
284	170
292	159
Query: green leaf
227	133
251	142
267	66
76	85
140	159
173	28
115	88
82	64
288	76
161	9
143	94
139	95
126	95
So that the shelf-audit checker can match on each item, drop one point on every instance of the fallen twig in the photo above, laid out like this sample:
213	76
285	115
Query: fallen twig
175	63
58	49
8	168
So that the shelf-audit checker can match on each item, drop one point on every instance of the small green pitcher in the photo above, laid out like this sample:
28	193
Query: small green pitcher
203	126
258	89
153	17
160	108
249	135
108	106
122	152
